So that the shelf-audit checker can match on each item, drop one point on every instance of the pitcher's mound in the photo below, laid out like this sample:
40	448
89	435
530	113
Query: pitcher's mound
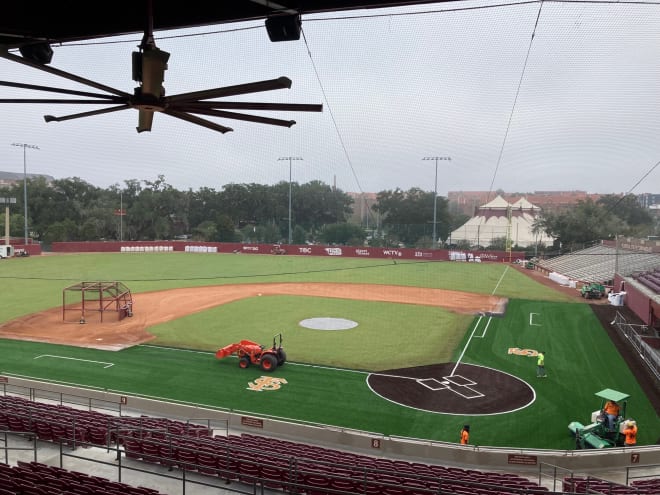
328	323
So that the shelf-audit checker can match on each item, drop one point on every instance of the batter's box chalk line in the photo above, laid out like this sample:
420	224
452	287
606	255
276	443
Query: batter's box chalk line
432	383
457	384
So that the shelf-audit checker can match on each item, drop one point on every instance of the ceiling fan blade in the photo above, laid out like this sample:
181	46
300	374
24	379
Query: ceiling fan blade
239	89
240	116
51	118
196	120
239	105
66	102
61	73
57	90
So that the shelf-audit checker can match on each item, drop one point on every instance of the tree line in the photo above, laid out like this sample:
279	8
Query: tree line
71	209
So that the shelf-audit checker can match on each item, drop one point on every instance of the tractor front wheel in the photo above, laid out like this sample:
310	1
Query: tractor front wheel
268	362
244	362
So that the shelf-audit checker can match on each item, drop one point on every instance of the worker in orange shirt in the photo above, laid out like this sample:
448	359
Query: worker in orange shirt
630	431
465	435
611	410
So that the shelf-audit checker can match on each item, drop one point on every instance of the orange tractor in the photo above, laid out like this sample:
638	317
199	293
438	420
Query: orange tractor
249	352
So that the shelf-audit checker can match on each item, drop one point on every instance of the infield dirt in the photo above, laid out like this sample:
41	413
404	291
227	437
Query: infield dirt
152	308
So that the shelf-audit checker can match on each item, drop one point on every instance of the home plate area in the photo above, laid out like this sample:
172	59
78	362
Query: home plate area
456	383
446	388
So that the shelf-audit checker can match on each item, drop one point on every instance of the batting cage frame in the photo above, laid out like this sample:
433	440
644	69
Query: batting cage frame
92	298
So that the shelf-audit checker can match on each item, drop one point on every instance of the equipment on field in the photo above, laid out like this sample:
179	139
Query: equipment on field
249	352
597	435
593	291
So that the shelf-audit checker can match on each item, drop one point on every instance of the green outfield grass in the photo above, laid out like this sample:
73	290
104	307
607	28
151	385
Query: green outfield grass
326	381
36	282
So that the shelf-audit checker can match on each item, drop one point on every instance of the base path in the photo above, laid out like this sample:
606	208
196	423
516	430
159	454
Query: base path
152	308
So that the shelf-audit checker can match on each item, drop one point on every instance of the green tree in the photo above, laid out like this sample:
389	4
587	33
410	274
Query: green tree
343	233
225	231
408	216
580	226
638	220
298	236
205	231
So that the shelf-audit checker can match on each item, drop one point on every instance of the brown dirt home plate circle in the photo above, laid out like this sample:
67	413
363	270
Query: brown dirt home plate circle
446	388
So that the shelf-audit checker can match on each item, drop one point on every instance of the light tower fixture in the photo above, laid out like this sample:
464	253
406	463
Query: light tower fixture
435	194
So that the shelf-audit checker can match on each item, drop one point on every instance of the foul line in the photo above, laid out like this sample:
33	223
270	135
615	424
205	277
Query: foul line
500	280
107	365
460	358
467	344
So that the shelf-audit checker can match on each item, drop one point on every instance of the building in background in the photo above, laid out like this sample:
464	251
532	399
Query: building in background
8	179
469	202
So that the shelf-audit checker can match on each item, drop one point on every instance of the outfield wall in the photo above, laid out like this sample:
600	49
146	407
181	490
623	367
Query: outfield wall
295	250
425	451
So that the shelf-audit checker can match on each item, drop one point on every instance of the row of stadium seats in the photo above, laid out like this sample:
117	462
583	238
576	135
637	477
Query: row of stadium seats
55	423
250	458
34	478
581	484
595	264
650	485
650	280
265	465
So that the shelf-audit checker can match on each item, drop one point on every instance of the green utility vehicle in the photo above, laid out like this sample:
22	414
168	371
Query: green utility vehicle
597	435
593	291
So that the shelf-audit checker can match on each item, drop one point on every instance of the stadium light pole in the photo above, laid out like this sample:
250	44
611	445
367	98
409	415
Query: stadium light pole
25	213
290	158
435	193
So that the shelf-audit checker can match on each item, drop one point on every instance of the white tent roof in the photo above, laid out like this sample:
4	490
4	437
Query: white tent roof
523	204
487	226
498	203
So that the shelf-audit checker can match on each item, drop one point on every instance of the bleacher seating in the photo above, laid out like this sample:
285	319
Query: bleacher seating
598	263
34	478
57	423
651	485
249	458
596	486
650	280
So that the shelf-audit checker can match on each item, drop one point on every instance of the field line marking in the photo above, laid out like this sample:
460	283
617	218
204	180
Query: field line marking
107	365
500	280
483	334
165	348
467	344
531	318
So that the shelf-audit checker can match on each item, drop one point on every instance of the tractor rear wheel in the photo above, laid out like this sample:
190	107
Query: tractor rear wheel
244	362
281	357
268	362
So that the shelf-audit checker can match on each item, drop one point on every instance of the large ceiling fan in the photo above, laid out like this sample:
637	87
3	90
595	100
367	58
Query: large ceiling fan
149	66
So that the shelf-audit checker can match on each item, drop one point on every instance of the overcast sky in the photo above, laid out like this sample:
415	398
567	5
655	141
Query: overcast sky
575	108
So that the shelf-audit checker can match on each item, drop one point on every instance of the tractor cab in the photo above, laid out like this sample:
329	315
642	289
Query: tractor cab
597	435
